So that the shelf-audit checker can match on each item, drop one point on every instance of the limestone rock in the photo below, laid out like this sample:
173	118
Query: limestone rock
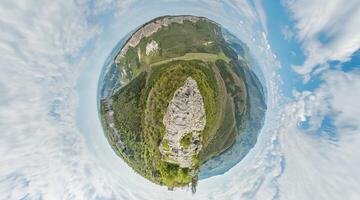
151	47
185	114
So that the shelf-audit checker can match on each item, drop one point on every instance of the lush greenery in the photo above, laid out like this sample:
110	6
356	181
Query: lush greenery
140	106
175	40
190	49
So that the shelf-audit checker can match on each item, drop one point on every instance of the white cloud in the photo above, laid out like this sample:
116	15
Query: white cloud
243	7
41	157
106	6
345	95
327	30
262	14
287	33
323	164
337	96
42	152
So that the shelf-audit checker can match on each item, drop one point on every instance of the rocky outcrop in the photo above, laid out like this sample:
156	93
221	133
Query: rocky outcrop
150	29
185	114
109	120
151	47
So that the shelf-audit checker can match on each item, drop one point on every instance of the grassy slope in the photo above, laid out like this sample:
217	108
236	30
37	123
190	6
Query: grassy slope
207	57
175	40
234	99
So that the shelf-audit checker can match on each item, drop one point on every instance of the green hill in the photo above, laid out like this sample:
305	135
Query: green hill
154	66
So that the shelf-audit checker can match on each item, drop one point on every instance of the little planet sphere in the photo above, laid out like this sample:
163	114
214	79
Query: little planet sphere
179	100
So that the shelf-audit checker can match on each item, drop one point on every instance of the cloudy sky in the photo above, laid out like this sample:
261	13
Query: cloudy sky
51	142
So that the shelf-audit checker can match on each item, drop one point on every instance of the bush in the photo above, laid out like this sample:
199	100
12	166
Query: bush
186	140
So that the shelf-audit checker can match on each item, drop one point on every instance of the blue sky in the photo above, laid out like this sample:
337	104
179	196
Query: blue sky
288	49
51	141
320	62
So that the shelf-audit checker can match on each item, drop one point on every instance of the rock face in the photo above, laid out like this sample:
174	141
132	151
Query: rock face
109	117
185	115
151	28
151	47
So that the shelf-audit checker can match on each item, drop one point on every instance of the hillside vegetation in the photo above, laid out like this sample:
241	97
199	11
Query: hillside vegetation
137	109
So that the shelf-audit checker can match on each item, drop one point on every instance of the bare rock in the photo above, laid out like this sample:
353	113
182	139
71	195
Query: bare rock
185	114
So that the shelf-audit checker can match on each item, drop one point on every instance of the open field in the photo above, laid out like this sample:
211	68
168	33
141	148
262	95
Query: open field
206	57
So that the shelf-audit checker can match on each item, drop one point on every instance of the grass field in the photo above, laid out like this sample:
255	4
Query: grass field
206	57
